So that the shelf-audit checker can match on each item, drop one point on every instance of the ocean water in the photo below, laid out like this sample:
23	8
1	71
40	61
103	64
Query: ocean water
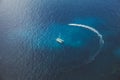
28	46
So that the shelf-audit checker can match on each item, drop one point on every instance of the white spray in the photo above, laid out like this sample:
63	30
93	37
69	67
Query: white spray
101	41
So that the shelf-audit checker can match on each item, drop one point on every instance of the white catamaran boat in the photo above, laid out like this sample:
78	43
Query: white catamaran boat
59	40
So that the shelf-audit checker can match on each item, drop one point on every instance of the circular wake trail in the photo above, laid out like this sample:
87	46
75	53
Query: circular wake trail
101	41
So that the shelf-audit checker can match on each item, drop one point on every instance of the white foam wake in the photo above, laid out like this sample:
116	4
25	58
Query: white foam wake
101	41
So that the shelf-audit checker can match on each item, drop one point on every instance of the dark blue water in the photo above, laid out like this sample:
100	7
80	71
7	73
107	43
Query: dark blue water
28	47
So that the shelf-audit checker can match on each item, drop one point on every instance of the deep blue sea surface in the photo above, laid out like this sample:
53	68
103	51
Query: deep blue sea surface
28	46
